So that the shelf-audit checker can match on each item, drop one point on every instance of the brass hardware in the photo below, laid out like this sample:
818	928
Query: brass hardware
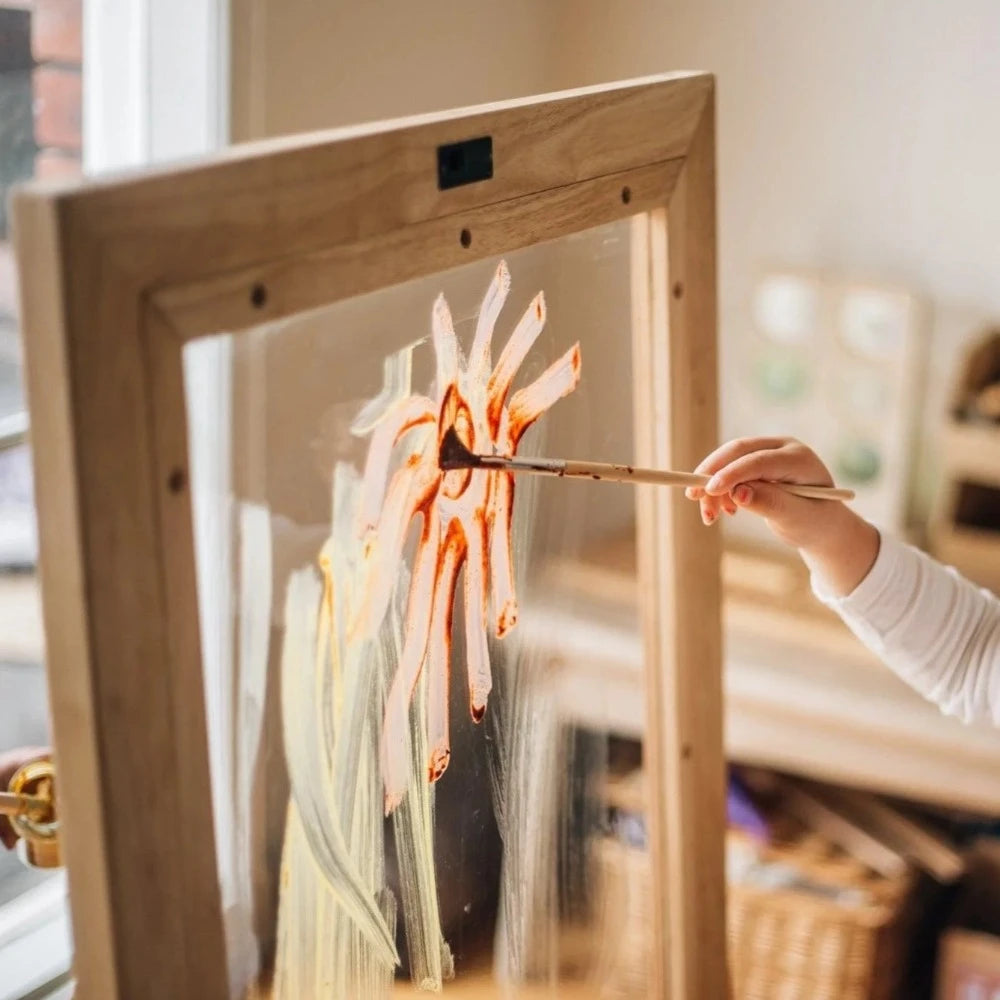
30	805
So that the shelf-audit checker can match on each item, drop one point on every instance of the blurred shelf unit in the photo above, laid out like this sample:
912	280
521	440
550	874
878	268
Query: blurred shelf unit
802	694
965	528
836	362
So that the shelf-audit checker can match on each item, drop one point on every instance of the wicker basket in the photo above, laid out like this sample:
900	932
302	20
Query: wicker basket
838	935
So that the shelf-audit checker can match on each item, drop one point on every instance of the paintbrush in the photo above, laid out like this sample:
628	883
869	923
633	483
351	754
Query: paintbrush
454	455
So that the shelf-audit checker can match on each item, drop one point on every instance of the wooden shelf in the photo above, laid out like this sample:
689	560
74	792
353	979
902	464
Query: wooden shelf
767	594
802	694
974	551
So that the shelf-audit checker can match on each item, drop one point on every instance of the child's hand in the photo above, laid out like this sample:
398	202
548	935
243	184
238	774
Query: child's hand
835	542
742	472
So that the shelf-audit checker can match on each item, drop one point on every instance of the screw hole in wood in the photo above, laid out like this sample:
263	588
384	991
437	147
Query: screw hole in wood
465	238
678	290
177	481
626	195
258	296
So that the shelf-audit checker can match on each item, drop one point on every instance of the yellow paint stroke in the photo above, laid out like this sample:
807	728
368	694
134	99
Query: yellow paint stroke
306	712
329	947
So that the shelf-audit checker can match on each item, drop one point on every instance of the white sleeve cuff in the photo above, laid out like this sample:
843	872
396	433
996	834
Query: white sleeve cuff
875	605
867	591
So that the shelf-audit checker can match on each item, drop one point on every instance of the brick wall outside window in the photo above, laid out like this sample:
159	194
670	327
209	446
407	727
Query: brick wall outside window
40	136
40	115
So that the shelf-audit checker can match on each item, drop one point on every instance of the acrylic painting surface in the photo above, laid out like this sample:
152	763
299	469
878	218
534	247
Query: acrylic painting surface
409	802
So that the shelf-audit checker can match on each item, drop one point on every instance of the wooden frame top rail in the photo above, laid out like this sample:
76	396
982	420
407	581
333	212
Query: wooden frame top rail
348	185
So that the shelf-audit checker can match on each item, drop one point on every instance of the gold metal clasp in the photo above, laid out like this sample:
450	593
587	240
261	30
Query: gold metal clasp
30	805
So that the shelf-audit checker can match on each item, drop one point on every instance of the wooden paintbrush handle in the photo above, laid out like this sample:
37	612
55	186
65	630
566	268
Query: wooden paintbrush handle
607	472
666	477
817	492
631	474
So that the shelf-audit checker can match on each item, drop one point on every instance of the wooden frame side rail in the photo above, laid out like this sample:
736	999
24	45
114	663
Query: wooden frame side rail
117	275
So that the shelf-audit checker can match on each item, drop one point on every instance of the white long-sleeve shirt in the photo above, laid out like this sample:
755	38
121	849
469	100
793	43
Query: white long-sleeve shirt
936	630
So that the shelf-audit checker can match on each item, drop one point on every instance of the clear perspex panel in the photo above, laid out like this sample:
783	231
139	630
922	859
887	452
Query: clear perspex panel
424	694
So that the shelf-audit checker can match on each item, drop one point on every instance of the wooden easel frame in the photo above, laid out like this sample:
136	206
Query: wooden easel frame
117	275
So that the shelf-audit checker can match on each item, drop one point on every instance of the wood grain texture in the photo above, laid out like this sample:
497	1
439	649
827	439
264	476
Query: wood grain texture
293	285
204	942
695	760
674	357
116	274
65	604
287	198
138	839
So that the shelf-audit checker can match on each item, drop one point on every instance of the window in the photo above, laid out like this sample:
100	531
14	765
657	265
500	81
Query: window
40	136
152	90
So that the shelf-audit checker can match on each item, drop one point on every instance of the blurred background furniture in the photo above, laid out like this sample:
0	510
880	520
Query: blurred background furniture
802	694
965	527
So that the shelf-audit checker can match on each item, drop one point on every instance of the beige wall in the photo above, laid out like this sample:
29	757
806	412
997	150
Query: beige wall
853	135
309	64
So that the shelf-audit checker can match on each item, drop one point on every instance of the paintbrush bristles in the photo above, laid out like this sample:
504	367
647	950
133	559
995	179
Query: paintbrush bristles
454	455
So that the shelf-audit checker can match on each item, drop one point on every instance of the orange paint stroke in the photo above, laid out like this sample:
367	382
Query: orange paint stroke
466	517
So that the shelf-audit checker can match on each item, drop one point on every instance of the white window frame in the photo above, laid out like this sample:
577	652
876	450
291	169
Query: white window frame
155	88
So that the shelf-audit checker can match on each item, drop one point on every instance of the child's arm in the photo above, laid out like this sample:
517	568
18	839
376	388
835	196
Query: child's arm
930	625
